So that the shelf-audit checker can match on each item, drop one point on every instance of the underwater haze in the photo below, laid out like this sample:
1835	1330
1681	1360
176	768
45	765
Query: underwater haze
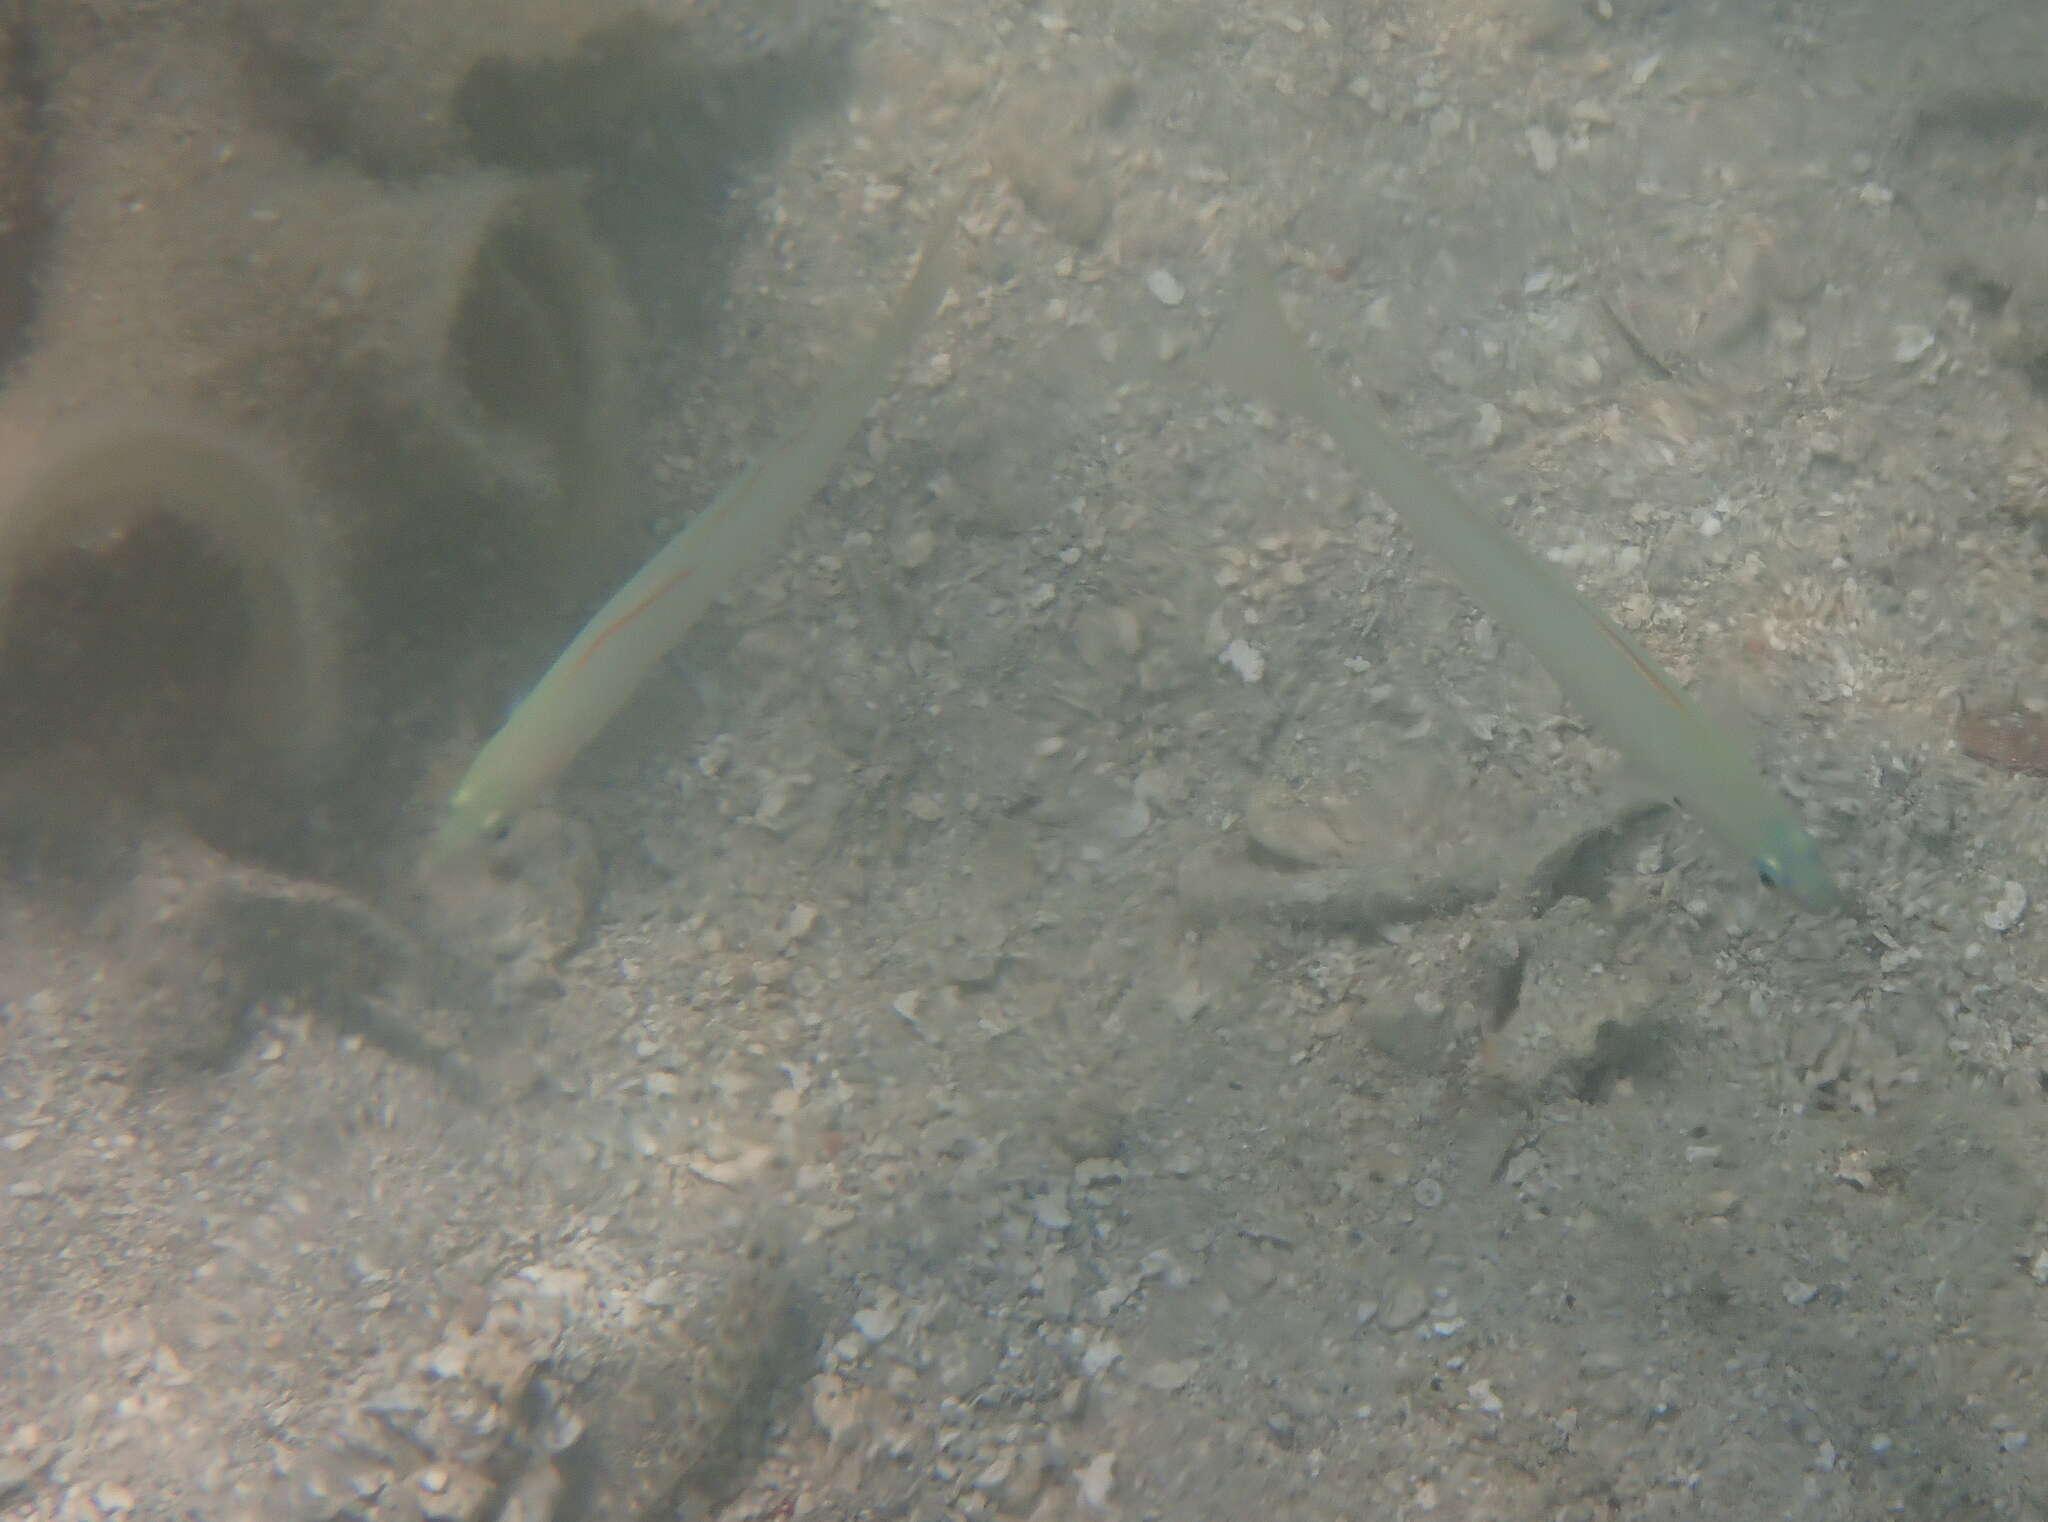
1083	761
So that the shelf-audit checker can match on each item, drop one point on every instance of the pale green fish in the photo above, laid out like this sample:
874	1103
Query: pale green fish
598	673
1606	675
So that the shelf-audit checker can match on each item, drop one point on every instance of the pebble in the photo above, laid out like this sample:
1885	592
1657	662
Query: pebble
1113	1294
1097	1480
2010	909
1852	1168
1125	821
1911	342
1404	1307
915	548
1088	1127
1098	1356
1244	658
1171	1376
838	1411
875	1322
1166	290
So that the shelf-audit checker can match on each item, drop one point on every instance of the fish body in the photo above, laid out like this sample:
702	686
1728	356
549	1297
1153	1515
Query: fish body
1607	676
604	664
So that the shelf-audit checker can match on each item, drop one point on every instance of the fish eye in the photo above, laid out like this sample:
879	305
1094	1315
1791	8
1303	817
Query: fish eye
1769	873
496	828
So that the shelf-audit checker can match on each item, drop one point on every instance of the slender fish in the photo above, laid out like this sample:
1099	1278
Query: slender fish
1605	674
599	672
